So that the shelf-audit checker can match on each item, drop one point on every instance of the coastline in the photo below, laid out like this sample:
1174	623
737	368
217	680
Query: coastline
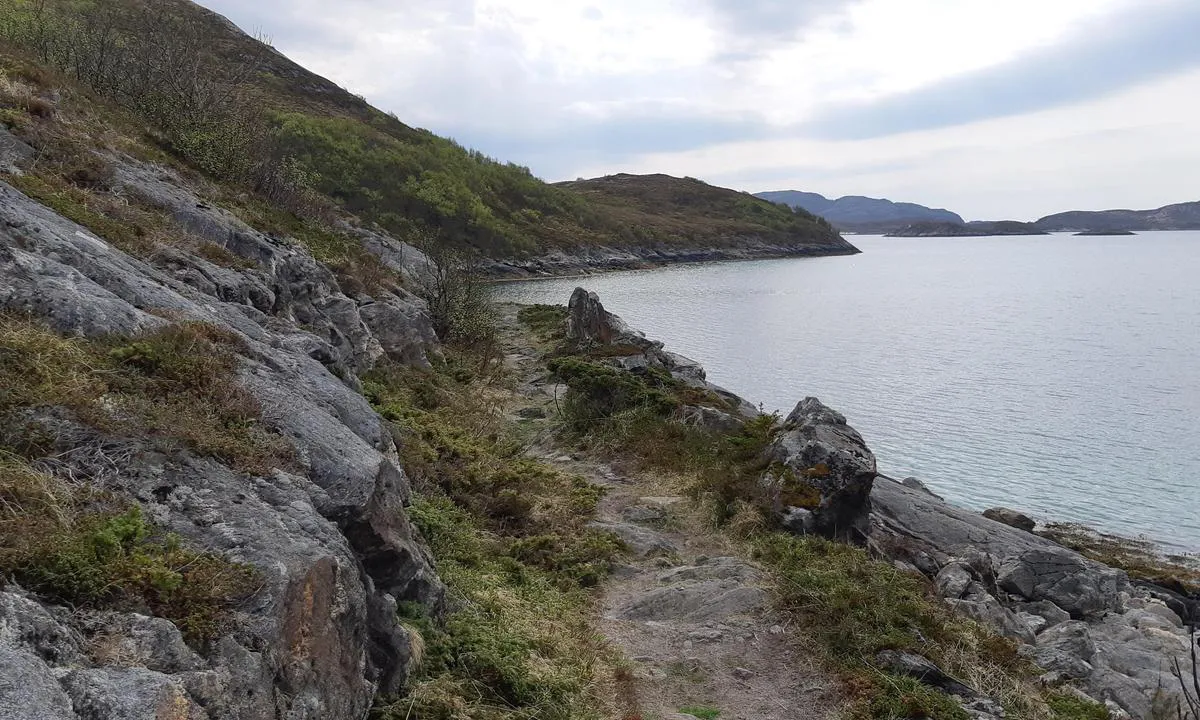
603	260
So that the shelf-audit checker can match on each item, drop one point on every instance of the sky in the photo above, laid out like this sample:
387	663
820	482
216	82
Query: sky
996	109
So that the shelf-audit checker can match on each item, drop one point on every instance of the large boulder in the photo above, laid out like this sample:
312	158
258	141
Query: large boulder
823	465
588	323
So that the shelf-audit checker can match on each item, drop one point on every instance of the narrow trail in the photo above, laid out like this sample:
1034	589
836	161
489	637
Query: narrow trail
692	617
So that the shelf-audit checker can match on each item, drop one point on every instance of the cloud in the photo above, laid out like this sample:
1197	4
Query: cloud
869	97
1149	41
558	152
773	19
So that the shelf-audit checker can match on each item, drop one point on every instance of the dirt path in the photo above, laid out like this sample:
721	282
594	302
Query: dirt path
693	618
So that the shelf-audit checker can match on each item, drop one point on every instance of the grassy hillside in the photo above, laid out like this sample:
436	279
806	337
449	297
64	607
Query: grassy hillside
661	208
223	103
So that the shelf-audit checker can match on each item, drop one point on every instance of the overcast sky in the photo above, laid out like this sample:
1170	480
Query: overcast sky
992	108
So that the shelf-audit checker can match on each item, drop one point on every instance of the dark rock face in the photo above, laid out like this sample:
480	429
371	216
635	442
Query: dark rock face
1079	620
590	324
329	538
821	453
1012	518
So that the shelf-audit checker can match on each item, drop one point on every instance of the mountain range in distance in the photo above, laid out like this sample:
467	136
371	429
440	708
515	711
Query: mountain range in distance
858	214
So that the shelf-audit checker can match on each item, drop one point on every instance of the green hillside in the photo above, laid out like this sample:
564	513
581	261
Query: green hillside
197	92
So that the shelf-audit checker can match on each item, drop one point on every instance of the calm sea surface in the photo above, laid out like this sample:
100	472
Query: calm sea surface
1056	375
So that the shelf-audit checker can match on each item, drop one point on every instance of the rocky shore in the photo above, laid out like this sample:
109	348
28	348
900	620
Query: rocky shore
1083	623
329	534
587	261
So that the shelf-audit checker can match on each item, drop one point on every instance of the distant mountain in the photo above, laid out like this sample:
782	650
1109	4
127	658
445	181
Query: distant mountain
1184	216
856	213
971	229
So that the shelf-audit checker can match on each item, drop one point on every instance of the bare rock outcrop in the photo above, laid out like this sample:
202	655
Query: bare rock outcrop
590	325
1081	621
329	537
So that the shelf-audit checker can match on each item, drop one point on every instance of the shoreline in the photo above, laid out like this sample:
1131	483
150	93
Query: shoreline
555	267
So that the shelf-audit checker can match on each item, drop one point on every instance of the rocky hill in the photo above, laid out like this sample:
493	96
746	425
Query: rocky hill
855	213
1183	216
662	219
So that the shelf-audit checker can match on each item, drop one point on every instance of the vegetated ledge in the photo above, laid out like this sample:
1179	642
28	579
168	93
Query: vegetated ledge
653	220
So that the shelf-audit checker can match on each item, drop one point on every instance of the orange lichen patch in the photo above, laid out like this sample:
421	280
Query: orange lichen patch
819	470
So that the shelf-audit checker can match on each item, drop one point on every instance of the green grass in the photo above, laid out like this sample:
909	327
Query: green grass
90	549
175	388
704	712
854	606
510	539
548	322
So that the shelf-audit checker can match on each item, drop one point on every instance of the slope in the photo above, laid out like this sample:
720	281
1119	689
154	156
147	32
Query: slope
236	109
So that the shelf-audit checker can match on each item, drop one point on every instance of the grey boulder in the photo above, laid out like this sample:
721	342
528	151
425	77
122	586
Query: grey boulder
822	454
1073	584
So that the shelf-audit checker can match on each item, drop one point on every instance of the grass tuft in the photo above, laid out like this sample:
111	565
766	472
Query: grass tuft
86	548
176	386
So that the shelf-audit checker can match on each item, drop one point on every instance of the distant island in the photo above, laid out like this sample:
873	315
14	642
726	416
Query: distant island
971	229
1182	216
859	214
1104	233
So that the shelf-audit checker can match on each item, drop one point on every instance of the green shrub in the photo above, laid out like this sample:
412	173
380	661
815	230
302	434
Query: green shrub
600	392
549	322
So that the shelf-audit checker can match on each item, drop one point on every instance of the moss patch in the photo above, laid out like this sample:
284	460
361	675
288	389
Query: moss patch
86	548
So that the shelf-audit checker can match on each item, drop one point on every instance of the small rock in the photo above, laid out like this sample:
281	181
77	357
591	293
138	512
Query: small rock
743	673
642	542
706	635
799	521
916	484
952	581
644	514
1012	518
